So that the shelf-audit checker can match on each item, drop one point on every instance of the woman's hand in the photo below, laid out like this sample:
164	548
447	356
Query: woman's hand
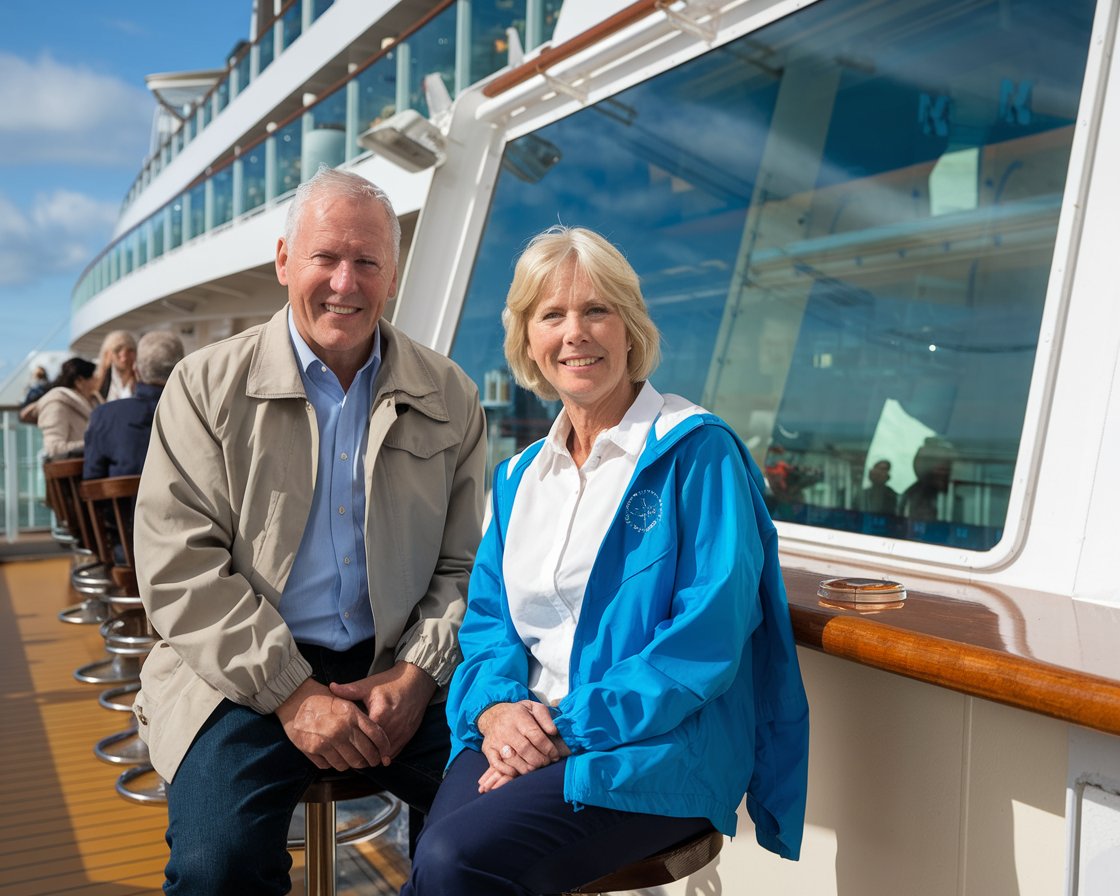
517	738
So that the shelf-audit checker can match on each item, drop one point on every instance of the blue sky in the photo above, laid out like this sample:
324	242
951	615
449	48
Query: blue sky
75	125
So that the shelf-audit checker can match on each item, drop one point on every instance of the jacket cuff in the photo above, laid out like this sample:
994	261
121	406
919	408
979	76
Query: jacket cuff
282	686
438	663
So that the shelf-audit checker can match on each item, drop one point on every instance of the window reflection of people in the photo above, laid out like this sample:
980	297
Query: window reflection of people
932	464
627	651
878	497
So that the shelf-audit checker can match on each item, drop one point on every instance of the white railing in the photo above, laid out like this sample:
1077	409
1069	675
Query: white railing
22	488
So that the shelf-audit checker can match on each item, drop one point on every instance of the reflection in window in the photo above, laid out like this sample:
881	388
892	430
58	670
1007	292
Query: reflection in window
844	224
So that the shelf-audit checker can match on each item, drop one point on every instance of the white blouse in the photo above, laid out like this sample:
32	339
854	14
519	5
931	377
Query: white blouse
560	516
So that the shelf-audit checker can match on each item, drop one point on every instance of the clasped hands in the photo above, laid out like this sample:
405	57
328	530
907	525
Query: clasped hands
516	739
357	724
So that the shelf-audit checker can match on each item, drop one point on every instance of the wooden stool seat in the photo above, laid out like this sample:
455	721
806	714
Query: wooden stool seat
671	864
320	806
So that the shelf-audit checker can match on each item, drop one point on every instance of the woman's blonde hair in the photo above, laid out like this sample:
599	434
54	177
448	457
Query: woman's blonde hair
612	278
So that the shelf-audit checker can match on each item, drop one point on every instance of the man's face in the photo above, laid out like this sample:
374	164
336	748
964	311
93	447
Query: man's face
879	473
340	273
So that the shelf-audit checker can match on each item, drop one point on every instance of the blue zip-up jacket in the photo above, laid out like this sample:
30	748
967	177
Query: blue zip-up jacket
685	690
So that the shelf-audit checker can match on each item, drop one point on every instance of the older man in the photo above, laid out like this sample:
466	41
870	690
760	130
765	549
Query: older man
308	517
118	432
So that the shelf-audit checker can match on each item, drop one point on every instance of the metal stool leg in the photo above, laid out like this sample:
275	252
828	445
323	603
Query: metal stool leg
319	860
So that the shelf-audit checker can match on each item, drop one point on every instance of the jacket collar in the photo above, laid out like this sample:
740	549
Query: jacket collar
405	375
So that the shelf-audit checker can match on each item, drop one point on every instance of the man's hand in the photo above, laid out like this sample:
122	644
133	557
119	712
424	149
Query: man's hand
332	732
517	738
395	701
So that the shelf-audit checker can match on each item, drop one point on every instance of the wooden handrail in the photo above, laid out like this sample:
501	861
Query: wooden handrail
549	57
964	645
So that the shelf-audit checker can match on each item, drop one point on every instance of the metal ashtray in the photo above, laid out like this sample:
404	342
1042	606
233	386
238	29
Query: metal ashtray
877	593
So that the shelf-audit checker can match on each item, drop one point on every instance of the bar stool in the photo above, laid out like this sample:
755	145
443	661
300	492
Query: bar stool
674	863
87	575
108	506
320	819
128	633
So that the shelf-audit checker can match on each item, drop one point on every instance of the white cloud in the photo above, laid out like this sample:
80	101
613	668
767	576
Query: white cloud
59	234
54	112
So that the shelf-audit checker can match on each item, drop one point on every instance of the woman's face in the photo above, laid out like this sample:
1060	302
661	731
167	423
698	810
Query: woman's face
578	340
124	356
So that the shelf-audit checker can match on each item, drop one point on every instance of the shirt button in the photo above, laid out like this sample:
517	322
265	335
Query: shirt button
341	509
344	456
346	615
322	368
346	561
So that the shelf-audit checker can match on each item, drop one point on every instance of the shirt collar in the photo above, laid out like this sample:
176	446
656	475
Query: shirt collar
306	357
629	433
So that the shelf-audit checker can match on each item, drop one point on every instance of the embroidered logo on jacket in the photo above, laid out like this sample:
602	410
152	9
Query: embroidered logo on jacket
643	510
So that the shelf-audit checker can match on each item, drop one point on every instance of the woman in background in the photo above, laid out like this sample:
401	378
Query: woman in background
116	368
63	412
629	670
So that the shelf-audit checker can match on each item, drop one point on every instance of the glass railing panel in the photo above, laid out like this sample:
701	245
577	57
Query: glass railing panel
142	233
221	95
432	49
196	223
244	72
22	486
175	223
324	140
865	312
291	25
221	197
489	49
318	7
157	235
289	146
252	178
266	49
377	96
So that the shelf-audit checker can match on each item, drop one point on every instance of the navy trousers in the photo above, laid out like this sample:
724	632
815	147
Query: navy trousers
231	801
523	839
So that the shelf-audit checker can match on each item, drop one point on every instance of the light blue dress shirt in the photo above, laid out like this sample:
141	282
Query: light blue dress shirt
326	599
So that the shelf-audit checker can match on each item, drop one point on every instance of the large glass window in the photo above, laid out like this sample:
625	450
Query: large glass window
844	225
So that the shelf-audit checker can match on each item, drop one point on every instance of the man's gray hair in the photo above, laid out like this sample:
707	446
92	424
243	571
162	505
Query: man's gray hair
157	353
343	183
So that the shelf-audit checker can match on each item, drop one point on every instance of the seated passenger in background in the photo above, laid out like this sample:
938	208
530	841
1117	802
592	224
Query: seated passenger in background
628	670
116	365
63	412
933	464
879	497
118	433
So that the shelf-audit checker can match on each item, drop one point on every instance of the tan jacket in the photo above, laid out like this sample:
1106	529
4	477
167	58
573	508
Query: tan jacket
63	415
224	499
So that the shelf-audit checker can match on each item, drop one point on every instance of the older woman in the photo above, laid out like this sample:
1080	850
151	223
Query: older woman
63	412
628	667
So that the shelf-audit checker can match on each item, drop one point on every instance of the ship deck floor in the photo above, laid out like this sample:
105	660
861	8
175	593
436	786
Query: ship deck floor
63	827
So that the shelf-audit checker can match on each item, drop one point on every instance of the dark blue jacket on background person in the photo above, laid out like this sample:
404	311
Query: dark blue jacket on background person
118	434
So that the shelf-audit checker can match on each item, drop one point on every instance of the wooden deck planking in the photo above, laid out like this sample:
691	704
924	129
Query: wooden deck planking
63	828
